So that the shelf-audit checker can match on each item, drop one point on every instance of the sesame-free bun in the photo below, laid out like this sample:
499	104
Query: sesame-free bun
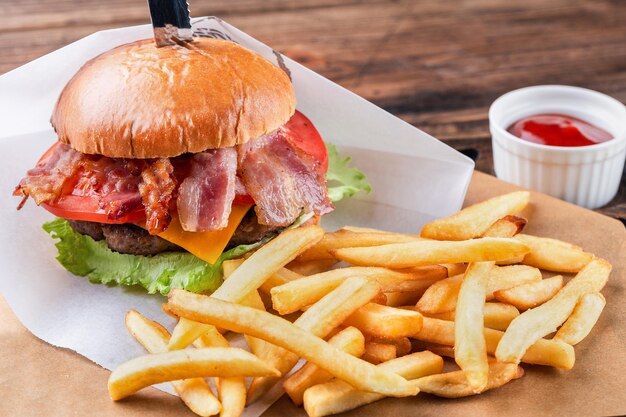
140	101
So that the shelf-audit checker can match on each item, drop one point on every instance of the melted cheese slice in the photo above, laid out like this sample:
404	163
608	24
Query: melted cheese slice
207	246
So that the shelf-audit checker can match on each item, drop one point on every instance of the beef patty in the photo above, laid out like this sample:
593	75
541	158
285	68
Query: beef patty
134	240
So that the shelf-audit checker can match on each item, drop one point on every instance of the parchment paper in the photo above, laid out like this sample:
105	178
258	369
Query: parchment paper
37	379
408	170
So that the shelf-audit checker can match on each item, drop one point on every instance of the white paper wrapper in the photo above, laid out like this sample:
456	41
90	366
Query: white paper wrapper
415	178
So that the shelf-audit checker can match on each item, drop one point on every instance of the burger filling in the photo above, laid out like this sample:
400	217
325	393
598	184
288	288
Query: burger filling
281	174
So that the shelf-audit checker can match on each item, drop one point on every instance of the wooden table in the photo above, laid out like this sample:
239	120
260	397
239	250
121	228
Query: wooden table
436	64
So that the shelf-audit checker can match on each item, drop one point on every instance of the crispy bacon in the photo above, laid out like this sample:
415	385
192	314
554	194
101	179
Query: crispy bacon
46	181
206	196
115	182
156	189
281	181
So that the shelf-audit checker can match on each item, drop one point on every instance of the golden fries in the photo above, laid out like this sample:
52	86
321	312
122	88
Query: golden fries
474	221
316	266
385	322
349	340
282	276
583	318
427	252
403	293
255	270
508	226
497	315
280	332
379	352
530	295
403	299
232	391
300	293
554	255
470	351
455	384
154	368
337	396
349	239
533	324
195	392
441	297
319	320
543	352
503	277
251	274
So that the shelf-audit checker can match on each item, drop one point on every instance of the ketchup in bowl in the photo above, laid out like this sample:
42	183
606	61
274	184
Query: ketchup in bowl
558	130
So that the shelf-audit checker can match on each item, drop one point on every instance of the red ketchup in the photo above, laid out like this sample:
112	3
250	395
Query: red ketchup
558	130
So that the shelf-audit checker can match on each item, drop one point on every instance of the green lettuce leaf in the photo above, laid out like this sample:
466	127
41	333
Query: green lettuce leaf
343	181
83	256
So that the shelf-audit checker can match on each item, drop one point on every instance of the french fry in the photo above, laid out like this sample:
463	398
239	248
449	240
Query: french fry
385	322
337	396
319	320
442	296
253	299
263	263
358	229
232	391
503	277
403	346
397	299
344	238
195	393
280	277
470	351
455	384
306	268
497	315
508	226
543	352
583	318
427	252
445	351
349	340
379	352
455	269
554	255
530	295
281	332
297	294
474	221
251	274
155	368
534	324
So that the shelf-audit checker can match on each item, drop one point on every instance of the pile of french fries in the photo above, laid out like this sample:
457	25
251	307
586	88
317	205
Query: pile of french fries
373	314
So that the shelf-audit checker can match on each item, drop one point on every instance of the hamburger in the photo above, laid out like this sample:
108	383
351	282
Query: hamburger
171	160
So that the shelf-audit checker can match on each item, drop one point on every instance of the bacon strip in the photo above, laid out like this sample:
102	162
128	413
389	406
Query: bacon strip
157	189
205	197
45	182
282	182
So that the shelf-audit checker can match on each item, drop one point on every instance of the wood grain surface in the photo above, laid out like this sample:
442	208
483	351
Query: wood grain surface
436	64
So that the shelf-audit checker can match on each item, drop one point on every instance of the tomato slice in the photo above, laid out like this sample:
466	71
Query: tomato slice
80	204
301	132
86	208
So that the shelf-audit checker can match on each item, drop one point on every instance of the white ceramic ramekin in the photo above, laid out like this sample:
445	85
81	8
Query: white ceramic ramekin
588	175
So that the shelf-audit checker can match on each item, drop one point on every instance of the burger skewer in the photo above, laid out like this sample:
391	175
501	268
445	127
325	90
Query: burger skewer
171	22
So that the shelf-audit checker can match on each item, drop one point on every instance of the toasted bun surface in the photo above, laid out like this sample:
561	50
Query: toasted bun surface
140	101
